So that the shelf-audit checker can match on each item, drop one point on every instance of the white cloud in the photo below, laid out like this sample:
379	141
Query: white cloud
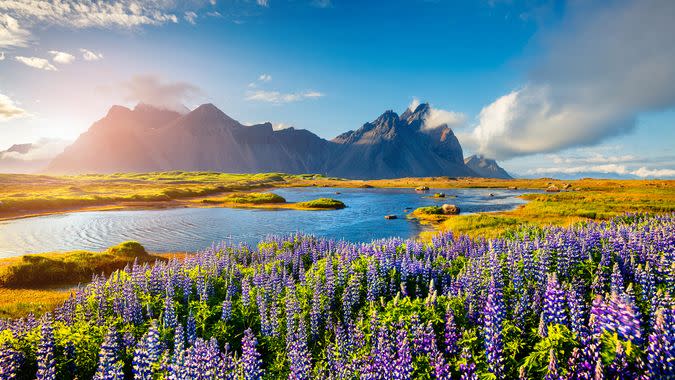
279	97
190	17
263	3
265	78
654	173
91	13
89	55
9	110
11	33
61	57
622	170
599	73
436	117
2	56
35	62
151	90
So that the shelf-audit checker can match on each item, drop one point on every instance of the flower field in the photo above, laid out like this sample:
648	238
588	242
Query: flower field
591	301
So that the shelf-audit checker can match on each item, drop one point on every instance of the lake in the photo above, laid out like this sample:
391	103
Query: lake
193	229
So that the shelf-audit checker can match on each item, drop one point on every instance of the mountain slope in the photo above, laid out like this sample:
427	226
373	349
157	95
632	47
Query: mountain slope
486	167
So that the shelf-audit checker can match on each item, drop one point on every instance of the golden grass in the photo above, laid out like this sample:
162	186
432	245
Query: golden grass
15	303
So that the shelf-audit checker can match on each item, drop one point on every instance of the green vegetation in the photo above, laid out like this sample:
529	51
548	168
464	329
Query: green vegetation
23	195
322	203
247	198
52	269
430	210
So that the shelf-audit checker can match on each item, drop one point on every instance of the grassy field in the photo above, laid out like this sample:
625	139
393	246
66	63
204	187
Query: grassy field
27	283
36	283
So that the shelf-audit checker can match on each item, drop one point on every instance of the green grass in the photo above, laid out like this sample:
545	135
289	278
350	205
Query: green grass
322	203
248	198
53	269
430	210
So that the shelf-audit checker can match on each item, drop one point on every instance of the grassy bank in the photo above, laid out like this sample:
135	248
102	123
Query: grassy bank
36	283
587	200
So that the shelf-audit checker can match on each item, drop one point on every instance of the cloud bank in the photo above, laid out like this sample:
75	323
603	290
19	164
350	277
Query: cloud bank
9	110
608	66
151	90
279	97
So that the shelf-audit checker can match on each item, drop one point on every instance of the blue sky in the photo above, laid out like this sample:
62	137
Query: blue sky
537	84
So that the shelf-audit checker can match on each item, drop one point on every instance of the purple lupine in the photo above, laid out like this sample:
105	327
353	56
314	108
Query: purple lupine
109	363
403	367
617	314
45	353
191	328
147	353
552	370
299	356
492	330
467	368
451	334
10	362
554	302
661	347
250	363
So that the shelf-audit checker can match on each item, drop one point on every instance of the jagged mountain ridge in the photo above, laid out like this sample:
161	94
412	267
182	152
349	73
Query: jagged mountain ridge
486	167
147	138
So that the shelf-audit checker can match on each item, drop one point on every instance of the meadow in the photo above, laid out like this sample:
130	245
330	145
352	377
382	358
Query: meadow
567	286
588	301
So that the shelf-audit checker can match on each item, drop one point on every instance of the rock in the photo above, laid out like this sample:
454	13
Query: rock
337	192
552	189
492	195
439	195
422	188
449	209
389	217
513	187
567	186
366	186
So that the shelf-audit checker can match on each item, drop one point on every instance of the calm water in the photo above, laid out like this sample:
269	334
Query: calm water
192	229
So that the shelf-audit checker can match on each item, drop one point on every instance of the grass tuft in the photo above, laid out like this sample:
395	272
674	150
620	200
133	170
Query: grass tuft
322	203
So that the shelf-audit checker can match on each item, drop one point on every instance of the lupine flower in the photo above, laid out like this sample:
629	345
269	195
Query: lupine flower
554	302
45	354
552	373
468	368
403	368
250	363
451	333
109	363
147	354
493	330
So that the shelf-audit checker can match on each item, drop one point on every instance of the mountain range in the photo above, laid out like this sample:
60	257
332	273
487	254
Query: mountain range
148	138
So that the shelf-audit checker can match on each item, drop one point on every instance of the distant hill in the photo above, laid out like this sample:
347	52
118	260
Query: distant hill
147	138
486	167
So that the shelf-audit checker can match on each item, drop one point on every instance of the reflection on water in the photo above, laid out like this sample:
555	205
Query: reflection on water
192	229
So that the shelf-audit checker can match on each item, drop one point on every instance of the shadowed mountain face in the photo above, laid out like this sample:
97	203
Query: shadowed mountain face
151	139
486	167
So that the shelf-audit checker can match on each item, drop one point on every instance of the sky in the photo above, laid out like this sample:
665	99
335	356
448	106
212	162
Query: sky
548	88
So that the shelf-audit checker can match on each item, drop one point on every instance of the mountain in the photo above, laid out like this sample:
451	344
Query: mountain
486	167
30	157
394	146
147	138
